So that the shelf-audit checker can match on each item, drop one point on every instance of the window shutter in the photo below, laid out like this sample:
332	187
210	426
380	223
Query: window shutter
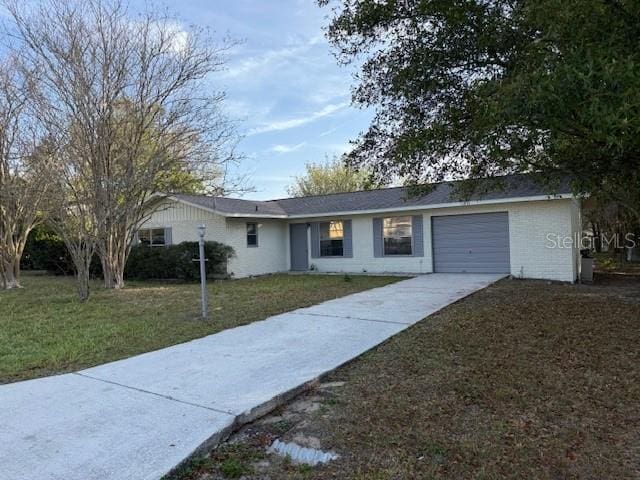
347	242
377	237
315	240
167	236
417	230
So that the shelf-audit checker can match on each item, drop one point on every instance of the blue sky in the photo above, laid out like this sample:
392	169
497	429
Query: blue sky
284	83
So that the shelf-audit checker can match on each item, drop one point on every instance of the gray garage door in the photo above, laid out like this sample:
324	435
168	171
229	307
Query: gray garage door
476	243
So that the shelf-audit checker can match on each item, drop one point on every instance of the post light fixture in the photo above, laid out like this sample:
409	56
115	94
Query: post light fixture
202	230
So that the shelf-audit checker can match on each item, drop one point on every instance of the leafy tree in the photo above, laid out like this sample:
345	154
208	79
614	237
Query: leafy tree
612	226
178	178
482	87
332	176
178	173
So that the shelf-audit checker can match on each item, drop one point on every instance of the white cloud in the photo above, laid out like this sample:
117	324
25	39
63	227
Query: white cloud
332	88
282	148
171	32
297	122
249	64
328	132
244	110
180	38
291	51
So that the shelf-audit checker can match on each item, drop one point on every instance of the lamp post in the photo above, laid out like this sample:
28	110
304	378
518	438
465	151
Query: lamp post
203	272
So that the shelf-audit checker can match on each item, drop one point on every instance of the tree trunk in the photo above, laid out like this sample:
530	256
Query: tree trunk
82	253
597	239
113	272
113	253
82	280
114	279
10	274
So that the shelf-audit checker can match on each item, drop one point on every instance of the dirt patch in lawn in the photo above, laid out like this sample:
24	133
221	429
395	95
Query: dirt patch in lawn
525	379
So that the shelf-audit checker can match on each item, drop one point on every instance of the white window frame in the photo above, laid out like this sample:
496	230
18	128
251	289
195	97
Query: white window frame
252	234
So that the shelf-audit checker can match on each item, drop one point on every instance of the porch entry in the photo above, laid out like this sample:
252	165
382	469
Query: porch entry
299	246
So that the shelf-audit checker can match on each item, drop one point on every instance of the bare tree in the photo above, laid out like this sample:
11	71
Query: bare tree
24	177
135	97
70	216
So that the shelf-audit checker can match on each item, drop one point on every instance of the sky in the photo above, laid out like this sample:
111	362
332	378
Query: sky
283	83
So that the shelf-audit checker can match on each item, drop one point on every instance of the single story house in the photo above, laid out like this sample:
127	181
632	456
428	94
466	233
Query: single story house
520	230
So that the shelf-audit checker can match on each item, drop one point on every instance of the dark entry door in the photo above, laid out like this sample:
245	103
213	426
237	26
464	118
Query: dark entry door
299	250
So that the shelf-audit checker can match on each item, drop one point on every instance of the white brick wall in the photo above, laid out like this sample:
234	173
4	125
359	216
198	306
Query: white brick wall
270	255
529	225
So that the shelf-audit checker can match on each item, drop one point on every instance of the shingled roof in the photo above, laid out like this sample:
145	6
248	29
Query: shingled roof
234	206
508	187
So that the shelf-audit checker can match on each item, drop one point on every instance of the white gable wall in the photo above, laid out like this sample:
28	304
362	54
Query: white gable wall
184	220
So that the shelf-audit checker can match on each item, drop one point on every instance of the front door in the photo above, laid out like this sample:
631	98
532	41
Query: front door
299	249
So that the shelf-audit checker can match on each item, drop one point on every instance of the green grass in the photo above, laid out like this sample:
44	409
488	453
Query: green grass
45	330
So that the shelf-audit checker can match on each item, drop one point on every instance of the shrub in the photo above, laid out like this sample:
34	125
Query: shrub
176	261
45	250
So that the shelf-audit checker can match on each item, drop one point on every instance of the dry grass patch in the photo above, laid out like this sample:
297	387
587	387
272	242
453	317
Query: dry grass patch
522	380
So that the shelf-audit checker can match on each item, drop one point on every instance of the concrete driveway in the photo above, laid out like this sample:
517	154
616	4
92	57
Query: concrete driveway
138	418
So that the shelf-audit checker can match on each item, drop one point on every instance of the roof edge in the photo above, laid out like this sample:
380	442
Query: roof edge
410	208
495	201
214	210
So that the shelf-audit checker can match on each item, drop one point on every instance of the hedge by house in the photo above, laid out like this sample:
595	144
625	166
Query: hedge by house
46	251
176	261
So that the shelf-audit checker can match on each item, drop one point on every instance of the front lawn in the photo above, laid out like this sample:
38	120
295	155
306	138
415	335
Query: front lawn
45	330
523	380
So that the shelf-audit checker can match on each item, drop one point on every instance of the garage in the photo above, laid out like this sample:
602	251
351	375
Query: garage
473	243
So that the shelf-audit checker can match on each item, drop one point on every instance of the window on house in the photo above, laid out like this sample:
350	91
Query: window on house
332	239
152	237
252	234
396	232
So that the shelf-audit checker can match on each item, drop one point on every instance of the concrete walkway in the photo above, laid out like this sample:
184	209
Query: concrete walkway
138	418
